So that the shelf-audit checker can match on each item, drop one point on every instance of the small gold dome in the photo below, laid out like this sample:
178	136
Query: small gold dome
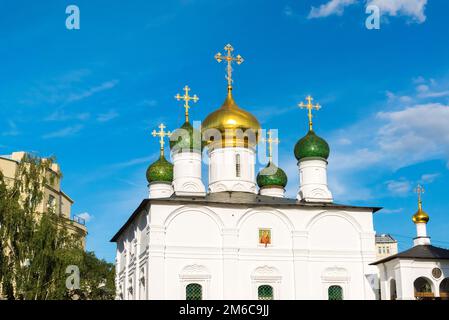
420	216
231	121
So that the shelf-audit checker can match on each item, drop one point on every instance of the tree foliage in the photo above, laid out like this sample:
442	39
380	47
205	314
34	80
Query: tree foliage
35	247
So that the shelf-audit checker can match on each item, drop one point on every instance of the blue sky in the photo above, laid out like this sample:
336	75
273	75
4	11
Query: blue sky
91	96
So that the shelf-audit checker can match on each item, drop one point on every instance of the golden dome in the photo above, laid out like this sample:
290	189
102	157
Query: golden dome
235	125
420	216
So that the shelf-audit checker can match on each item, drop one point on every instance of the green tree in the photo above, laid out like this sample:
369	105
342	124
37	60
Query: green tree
35	248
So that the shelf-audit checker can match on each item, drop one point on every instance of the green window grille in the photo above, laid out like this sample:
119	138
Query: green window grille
335	293
265	292
194	291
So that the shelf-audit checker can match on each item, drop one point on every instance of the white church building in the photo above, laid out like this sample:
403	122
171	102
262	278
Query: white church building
239	237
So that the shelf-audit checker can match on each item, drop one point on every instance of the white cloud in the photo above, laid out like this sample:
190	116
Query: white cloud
86	216
108	116
410	8
333	7
413	9
65	132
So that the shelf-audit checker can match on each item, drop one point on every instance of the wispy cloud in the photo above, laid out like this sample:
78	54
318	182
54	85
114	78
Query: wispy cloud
387	210
147	103
65	89
61	115
65	132
288	11
108	116
429	177
12	129
91	91
132	162
399	187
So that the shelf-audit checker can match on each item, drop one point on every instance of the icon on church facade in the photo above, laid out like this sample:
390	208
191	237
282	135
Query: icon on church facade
265	236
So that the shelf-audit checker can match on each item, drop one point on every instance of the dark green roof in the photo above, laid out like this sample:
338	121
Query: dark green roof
160	171
311	146
271	175
186	138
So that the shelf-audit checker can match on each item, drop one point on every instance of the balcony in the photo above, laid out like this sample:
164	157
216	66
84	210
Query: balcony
79	220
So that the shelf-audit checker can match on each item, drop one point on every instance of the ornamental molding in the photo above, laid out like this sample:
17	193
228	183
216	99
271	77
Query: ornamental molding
266	272
194	271
335	274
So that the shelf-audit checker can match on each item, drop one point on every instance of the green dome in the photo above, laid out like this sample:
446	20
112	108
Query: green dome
311	146
184	139
271	175
160	171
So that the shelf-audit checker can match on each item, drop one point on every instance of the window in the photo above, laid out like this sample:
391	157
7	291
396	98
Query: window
335	293
265	292
388	250
237	165
194	291
51	202
380	250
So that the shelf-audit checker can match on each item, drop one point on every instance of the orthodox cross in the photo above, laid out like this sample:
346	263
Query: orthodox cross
309	106
419	190
229	58
270	142
186	99
162	134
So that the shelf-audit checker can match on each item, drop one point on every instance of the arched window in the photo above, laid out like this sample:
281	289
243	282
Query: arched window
393	293
423	289
237	165
265	292
335	293
194	291
444	289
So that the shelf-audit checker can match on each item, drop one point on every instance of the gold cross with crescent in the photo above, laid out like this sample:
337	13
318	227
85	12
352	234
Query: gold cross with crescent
186	99
229	58
162	134
270	141
309	106
419	190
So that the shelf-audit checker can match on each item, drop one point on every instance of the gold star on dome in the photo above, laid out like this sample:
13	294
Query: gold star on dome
161	134
229	58
186	99
309	106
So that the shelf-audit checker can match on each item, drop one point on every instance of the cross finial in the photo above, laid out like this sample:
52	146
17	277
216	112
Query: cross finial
229	58
419	190
270	142
309	106
186	99
162	134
